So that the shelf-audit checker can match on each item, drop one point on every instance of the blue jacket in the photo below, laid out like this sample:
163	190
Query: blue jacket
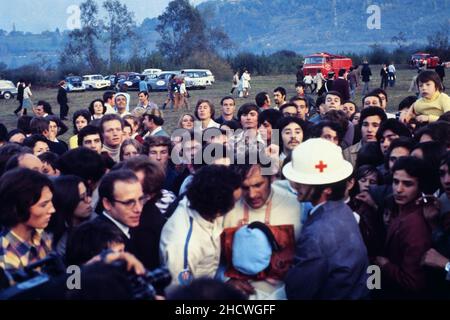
331	258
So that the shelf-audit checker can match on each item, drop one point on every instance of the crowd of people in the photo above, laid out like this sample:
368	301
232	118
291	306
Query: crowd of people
290	199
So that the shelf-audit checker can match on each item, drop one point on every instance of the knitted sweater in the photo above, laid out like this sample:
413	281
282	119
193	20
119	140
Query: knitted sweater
434	107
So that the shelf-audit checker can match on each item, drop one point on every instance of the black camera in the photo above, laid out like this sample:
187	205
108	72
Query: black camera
147	286
31	280
47	279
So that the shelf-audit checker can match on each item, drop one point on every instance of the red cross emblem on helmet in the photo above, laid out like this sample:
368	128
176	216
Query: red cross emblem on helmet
321	166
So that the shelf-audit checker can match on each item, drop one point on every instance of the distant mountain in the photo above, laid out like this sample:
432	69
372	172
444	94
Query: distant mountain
324	25
271	25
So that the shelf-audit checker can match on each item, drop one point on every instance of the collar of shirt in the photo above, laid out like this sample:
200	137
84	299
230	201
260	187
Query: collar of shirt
314	209
158	129
16	241
125	229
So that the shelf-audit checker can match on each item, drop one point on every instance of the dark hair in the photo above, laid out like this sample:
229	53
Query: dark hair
432	153
39	125
365	170
13	132
107	184
406	103
91	106
159	121
362	172
334	93
370	153
377	92
8	151
438	131
338	190
80	113
46	106
341	72
280	90
49	157
246	108
371	95
415	167
287	105
82	162
300	84
209	103
31	141
272	116
108	95
395	126
211	190
317	130
145	93
261	98
20	189
206	289
372	111
284	121
430	75
445	159
110	117
226	98
90	239
402	142
154	174
156	141
297	98
87	131
23	123
232	124
3	133
339	117
66	198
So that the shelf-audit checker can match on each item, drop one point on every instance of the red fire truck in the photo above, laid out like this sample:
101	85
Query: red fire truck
418	59
326	62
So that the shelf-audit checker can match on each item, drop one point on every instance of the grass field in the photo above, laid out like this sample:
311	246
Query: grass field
215	93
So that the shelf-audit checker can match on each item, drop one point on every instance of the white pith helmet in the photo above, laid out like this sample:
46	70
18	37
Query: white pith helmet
316	162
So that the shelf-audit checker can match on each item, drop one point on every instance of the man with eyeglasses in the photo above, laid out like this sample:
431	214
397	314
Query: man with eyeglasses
123	200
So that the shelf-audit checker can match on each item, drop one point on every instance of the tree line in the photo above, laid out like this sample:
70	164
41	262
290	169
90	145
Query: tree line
186	40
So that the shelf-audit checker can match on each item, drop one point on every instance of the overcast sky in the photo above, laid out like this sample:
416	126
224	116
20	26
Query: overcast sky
37	16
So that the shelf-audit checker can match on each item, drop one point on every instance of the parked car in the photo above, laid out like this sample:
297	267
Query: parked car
74	84
198	78
148	72
95	82
130	83
7	89
160	83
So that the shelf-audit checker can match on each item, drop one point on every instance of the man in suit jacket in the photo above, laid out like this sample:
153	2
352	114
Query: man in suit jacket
123	200
331	259
341	85
62	100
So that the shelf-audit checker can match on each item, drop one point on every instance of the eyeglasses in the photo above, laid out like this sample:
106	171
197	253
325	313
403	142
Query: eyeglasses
132	203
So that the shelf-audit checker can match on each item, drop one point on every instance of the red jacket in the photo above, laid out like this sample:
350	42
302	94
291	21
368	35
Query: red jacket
408	238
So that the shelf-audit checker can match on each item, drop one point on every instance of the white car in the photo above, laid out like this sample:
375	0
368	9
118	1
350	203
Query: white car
7	89
198	78
149	72
95	82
